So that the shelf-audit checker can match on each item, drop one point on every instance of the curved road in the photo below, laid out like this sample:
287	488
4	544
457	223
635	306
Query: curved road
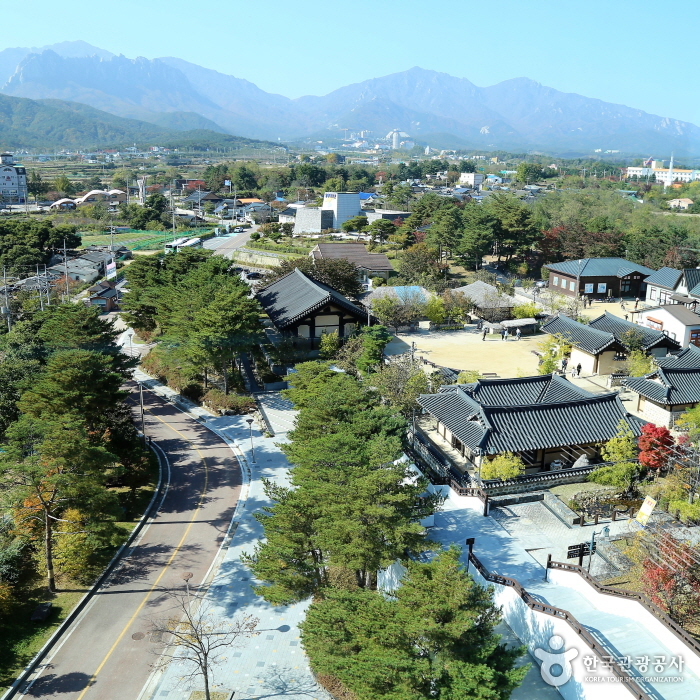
108	652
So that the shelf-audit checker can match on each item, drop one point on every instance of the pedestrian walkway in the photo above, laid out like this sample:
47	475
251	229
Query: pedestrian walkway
279	412
515	543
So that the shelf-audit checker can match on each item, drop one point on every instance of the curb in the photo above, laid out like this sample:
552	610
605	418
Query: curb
73	615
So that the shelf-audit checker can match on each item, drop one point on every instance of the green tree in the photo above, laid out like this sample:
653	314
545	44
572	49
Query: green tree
381	229
516	231
468	376
400	383
49	467
63	185
420	263
529	172
504	466
639	363
435	310
356	223
526	310
36	186
620	451
434	637
479	228
329	346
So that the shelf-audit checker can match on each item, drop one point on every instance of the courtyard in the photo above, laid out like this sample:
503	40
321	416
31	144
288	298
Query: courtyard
465	349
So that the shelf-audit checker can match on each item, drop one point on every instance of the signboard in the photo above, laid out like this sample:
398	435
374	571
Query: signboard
580	550
589	289
645	511
227	183
602	286
111	270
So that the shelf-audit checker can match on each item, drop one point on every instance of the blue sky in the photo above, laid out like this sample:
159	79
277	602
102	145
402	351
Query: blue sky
635	52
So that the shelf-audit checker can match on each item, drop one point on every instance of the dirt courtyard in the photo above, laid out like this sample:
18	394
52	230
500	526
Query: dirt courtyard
465	350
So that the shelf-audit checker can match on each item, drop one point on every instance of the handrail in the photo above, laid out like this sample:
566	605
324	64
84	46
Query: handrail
629	681
655	610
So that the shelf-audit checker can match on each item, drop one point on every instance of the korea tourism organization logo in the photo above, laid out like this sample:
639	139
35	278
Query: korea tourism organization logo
556	666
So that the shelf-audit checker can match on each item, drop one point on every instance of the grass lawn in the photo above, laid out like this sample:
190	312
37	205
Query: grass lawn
21	639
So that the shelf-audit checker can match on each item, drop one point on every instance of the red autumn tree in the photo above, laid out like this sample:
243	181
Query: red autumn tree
655	443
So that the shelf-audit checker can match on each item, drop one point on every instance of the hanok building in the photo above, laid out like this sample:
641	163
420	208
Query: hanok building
603	345
368	264
301	307
545	420
669	391
599	278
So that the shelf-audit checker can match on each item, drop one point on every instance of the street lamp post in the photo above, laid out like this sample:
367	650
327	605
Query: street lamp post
143	419
131	347
186	577
249	421
606	533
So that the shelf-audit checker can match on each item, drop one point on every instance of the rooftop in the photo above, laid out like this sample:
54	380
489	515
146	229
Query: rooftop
590	340
485	295
529	413
668	385
294	296
666	277
619	328
599	267
354	252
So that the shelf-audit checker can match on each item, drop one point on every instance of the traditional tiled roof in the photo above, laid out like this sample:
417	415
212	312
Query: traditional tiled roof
668	386
690	357
486	296
599	267
692	280
666	277
354	252
553	412
523	390
590	340
619	328
292	297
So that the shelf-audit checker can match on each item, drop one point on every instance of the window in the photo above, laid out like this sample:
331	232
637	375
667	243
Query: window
602	287
572	286
656	325
695	338
652	292
625	287
555	281
664	297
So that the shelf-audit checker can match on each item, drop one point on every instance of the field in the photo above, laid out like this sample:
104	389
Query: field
136	240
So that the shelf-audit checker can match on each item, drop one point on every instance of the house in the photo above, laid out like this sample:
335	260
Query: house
600	346
675	320
669	286
287	216
599	277
336	209
669	391
543	420
389	214
199	199
654	341
683	203
63	204
489	302
301	307
104	296
368	264
13	180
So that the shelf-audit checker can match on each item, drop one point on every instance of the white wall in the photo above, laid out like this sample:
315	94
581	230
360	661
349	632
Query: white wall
670	325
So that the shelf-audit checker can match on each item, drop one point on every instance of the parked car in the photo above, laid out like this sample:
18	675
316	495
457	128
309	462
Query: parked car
238	229
254	276
542	283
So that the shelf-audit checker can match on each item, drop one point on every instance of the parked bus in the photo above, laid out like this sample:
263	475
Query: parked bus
181	243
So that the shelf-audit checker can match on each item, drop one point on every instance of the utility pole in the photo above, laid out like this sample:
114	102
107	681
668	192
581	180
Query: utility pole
65	267
7	302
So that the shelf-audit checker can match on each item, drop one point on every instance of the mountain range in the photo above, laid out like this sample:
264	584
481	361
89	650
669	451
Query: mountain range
434	108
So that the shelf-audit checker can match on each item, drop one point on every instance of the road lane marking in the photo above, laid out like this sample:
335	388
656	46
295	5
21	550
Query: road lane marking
165	568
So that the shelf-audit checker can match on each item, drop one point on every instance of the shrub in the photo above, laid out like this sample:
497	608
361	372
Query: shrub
236	403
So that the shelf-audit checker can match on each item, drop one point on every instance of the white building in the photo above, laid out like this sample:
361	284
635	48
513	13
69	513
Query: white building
473	180
675	320
344	206
13	181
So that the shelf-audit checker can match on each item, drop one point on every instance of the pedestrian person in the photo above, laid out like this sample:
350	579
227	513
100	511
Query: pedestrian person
483	334
626	316
517	334
636	303
564	363
578	369
622	304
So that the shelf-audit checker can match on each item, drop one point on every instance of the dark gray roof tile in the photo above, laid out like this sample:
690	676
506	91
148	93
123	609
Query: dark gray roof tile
586	338
619	327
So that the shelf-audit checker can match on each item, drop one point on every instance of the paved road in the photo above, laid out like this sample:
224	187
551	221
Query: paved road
226	246
107	654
